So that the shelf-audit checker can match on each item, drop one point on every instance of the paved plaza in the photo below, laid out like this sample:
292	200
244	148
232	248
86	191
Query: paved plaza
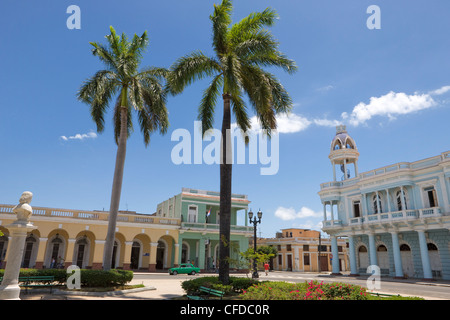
161	286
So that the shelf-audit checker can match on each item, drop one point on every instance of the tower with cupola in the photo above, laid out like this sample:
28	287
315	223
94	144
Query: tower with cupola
343	153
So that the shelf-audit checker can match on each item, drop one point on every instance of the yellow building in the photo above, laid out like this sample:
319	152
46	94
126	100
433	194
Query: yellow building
71	237
183	228
298	250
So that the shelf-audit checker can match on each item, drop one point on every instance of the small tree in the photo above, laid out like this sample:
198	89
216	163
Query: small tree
261	256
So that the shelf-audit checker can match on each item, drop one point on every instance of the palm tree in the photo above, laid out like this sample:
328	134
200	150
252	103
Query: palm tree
141	90
241	51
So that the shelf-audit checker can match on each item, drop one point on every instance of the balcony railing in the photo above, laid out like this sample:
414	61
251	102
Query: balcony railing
386	217
213	227
93	215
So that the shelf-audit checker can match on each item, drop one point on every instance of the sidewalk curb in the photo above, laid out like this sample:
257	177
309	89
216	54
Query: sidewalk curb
101	294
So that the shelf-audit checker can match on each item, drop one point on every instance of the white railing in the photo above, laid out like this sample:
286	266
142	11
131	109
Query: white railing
421	164
92	215
430	212
384	217
213	227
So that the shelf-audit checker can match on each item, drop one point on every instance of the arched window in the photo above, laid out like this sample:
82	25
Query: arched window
405	247
398	196
377	208
381	248
3	247
431	247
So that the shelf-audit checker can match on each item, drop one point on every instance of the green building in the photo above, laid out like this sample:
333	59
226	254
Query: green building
199	230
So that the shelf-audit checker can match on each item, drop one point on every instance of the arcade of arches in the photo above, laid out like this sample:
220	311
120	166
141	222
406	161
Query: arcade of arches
48	247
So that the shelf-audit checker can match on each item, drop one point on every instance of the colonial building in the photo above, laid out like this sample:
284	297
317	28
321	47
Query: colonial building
198	211
304	250
143	241
396	217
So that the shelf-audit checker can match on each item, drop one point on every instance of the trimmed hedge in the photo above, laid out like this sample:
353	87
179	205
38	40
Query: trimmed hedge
236	285
89	278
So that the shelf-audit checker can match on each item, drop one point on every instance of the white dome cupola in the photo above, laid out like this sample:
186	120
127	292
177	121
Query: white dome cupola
343	152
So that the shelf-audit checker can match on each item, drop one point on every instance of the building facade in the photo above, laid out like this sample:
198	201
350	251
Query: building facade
396	217
303	250
142	241
199	214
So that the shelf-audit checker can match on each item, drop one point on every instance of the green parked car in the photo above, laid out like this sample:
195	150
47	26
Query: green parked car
184	268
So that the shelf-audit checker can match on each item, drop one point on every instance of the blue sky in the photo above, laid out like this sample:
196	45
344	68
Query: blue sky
389	86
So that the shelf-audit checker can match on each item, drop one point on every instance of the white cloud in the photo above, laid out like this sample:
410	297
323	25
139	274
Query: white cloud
80	136
390	105
325	88
291	214
327	123
290	123
440	91
286	123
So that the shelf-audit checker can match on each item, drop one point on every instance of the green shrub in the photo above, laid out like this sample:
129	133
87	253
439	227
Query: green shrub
276	290
240	284
237	284
89	278
101	278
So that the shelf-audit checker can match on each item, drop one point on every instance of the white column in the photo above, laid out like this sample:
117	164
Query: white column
335	252
345	169
388	199
427	274
397	256
324	211
351	249
364	204
332	215
372	250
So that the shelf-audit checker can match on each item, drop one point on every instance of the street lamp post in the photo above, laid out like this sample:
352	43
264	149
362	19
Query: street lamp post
255	222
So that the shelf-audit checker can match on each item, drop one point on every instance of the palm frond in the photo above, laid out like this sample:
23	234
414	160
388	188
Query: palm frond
208	103
252	23
189	68
221	19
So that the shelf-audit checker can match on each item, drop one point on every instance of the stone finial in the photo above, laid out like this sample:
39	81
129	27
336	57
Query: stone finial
341	128
23	210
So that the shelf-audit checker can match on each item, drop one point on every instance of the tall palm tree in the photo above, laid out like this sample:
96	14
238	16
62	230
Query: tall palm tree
241	51
141	90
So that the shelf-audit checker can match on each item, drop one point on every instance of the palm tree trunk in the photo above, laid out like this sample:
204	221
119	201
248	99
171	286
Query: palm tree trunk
116	189
225	193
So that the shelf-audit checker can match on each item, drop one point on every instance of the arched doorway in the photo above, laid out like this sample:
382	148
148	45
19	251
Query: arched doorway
161	255
135	255
56	249
435	261
30	251
407	262
184	253
363	258
82	252
383	258
115	255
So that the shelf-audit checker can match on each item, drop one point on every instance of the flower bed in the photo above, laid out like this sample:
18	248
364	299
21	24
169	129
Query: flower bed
312	290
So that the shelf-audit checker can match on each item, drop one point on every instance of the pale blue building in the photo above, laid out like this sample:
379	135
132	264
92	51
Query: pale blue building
396	217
